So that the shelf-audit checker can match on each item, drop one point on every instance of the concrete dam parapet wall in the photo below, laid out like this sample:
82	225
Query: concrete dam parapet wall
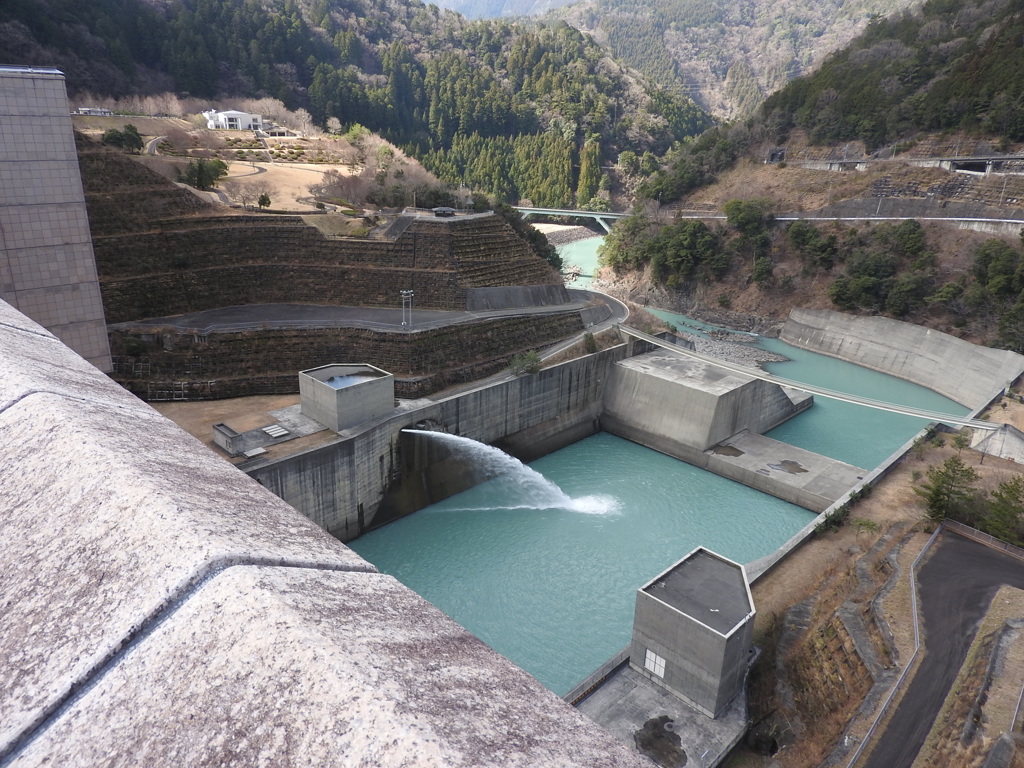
970	374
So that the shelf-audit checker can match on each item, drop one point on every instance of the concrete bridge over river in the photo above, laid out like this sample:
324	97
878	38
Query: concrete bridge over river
601	217
990	224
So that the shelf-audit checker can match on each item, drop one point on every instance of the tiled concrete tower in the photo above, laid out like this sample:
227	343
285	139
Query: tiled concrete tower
47	267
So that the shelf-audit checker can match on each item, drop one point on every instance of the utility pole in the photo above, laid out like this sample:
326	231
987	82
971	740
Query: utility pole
407	297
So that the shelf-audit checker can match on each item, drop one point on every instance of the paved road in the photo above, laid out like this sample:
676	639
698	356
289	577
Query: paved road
956	584
229	319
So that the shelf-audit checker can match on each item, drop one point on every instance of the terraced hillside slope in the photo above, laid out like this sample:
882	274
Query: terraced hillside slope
162	252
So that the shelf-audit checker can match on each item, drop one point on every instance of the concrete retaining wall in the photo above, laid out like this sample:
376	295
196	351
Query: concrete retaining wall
758	568
680	408
380	473
369	478
1007	442
515	296
961	371
185	366
904	207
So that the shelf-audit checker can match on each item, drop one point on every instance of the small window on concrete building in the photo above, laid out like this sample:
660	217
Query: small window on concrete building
654	663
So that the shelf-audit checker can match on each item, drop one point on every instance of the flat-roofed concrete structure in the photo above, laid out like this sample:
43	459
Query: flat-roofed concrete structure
162	608
693	630
47	267
342	395
718	404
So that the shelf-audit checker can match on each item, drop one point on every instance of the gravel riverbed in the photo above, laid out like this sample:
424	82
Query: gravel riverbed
741	350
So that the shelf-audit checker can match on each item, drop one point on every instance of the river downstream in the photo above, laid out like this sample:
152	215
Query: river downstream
553	588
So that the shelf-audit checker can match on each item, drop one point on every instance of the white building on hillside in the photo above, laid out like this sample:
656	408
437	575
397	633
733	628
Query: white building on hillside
232	120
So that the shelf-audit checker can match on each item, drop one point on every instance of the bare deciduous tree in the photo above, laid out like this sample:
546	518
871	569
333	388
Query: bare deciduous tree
304	120
261	187
248	191
179	139
239	192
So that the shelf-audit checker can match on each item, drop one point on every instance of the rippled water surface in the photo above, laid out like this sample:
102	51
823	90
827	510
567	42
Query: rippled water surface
553	588
582	253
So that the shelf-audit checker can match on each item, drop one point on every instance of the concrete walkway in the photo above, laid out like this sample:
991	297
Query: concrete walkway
628	700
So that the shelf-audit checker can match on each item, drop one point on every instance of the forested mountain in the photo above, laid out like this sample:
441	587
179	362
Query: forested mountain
950	67
729	55
953	65
420	76
493	9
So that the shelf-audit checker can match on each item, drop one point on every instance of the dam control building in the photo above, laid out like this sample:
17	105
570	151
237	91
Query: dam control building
693	630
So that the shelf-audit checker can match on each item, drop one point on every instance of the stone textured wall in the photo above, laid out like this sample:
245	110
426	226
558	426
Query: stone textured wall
161	253
268	361
157	241
188	265
178	292
125	196
506	297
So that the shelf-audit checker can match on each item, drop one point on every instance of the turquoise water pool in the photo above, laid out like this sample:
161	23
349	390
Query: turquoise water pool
553	588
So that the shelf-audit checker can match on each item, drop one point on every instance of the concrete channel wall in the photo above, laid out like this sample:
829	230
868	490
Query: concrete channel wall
684	412
376	473
980	373
961	371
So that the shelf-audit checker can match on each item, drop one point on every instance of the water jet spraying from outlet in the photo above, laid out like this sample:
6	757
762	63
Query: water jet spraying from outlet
530	489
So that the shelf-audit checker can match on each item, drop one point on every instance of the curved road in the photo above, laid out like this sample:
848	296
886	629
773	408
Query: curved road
248	317
956	583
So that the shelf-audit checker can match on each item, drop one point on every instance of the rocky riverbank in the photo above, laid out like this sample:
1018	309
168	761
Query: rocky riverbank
559	234
739	350
701	303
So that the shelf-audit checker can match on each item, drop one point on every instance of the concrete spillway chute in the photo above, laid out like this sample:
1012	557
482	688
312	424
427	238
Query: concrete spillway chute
822	391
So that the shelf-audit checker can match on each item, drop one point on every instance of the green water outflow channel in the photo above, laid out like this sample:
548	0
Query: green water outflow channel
551	584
